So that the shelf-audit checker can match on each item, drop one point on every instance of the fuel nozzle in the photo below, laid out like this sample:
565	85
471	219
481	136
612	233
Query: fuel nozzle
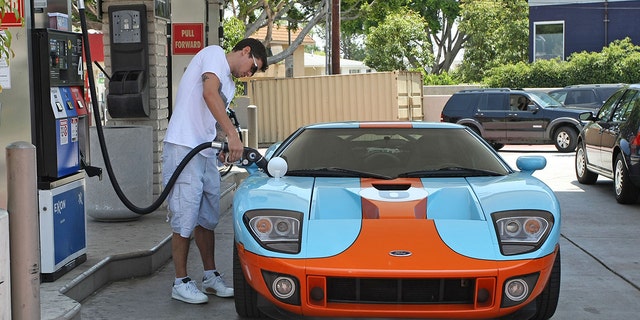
249	155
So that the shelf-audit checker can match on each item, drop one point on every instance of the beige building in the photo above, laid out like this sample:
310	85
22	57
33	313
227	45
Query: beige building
279	42
304	64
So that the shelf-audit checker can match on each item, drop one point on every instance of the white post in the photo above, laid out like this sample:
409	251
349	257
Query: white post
24	230
252	125
5	273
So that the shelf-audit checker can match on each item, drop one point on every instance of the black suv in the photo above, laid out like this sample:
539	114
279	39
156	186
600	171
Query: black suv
506	116
609	144
585	96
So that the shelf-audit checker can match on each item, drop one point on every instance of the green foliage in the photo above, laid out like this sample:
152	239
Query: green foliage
5	36
629	69
498	33
508	76
233	29
547	74
442	79
399	43
617	63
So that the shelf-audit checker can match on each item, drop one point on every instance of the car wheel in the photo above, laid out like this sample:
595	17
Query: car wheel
547	301
582	173
245	297
626	192
497	146
565	139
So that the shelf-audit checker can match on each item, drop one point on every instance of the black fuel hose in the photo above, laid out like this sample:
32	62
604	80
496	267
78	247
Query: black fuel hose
105	154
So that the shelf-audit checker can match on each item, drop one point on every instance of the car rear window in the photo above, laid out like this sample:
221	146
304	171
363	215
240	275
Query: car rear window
462	101
606	92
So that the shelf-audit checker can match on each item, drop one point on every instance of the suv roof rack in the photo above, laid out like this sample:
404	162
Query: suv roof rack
488	89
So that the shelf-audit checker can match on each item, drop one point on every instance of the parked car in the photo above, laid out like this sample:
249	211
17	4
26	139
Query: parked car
505	116
395	219
585	96
609	144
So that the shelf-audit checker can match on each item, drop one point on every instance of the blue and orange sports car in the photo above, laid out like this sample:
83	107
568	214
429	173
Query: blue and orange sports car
395	220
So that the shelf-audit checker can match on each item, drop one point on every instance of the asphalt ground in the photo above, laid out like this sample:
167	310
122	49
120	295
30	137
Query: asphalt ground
599	245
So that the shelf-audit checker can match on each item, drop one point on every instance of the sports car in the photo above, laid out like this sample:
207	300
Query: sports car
394	220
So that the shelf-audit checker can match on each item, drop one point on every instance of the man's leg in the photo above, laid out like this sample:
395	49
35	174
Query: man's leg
180	252
205	240
183	219
184	289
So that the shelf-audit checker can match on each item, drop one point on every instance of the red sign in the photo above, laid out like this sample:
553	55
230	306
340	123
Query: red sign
10	19
188	38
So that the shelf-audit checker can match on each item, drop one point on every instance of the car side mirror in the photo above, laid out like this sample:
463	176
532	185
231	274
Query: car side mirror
587	116
531	163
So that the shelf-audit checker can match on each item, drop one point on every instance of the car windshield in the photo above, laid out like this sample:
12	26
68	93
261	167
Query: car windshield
387	153
544	100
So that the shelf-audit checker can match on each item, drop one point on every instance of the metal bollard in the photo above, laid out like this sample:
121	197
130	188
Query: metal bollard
24	230
252	125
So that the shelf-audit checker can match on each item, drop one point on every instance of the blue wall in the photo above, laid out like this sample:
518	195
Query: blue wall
584	23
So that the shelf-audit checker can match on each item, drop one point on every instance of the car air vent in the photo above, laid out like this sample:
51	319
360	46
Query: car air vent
392	187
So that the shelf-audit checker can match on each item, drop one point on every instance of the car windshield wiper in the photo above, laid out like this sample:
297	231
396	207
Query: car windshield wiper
449	171
336	172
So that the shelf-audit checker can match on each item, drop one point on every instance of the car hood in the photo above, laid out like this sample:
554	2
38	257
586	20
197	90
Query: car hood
334	209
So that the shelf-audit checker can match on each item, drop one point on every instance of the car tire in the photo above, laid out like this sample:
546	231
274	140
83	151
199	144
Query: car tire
626	191
583	174
547	301
497	146
565	139
245	297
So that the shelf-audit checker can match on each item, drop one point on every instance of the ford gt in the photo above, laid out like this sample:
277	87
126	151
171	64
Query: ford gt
394	220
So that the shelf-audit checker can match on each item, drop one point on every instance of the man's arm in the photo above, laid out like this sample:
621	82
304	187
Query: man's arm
211	95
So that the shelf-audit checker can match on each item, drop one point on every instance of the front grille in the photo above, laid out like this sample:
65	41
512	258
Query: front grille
400	291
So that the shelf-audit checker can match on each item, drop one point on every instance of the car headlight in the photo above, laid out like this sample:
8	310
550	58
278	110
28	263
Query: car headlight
522	231
277	230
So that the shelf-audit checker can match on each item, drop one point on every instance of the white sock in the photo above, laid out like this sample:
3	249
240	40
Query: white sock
178	281
210	273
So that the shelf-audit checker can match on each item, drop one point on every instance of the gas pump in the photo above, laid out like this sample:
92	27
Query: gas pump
61	140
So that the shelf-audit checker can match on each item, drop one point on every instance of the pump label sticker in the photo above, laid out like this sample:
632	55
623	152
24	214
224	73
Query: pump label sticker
64	131
74	129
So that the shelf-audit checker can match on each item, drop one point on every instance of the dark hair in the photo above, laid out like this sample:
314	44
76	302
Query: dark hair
257	50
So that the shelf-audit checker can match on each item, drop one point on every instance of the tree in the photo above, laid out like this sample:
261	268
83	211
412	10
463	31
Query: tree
440	18
497	33
256	14
399	43
91	12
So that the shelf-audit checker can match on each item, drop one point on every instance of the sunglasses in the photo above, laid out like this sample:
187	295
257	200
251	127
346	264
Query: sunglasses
254	68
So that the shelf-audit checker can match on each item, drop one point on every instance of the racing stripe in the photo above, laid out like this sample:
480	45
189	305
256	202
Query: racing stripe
402	198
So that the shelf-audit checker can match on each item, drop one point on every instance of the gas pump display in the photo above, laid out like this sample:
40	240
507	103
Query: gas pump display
58	69
61	133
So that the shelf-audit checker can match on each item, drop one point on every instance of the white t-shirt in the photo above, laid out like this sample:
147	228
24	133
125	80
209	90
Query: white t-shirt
191	122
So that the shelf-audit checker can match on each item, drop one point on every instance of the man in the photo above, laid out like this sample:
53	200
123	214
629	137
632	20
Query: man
204	93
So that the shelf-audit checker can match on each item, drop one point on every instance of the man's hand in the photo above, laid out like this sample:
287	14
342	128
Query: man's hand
236	148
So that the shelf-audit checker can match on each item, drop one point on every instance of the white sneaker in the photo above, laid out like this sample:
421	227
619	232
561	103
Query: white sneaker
215	285
188	292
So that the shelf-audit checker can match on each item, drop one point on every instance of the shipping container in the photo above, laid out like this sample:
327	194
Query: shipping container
285	104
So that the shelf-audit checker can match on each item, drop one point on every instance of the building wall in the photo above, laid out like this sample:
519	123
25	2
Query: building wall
158	85
589	25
